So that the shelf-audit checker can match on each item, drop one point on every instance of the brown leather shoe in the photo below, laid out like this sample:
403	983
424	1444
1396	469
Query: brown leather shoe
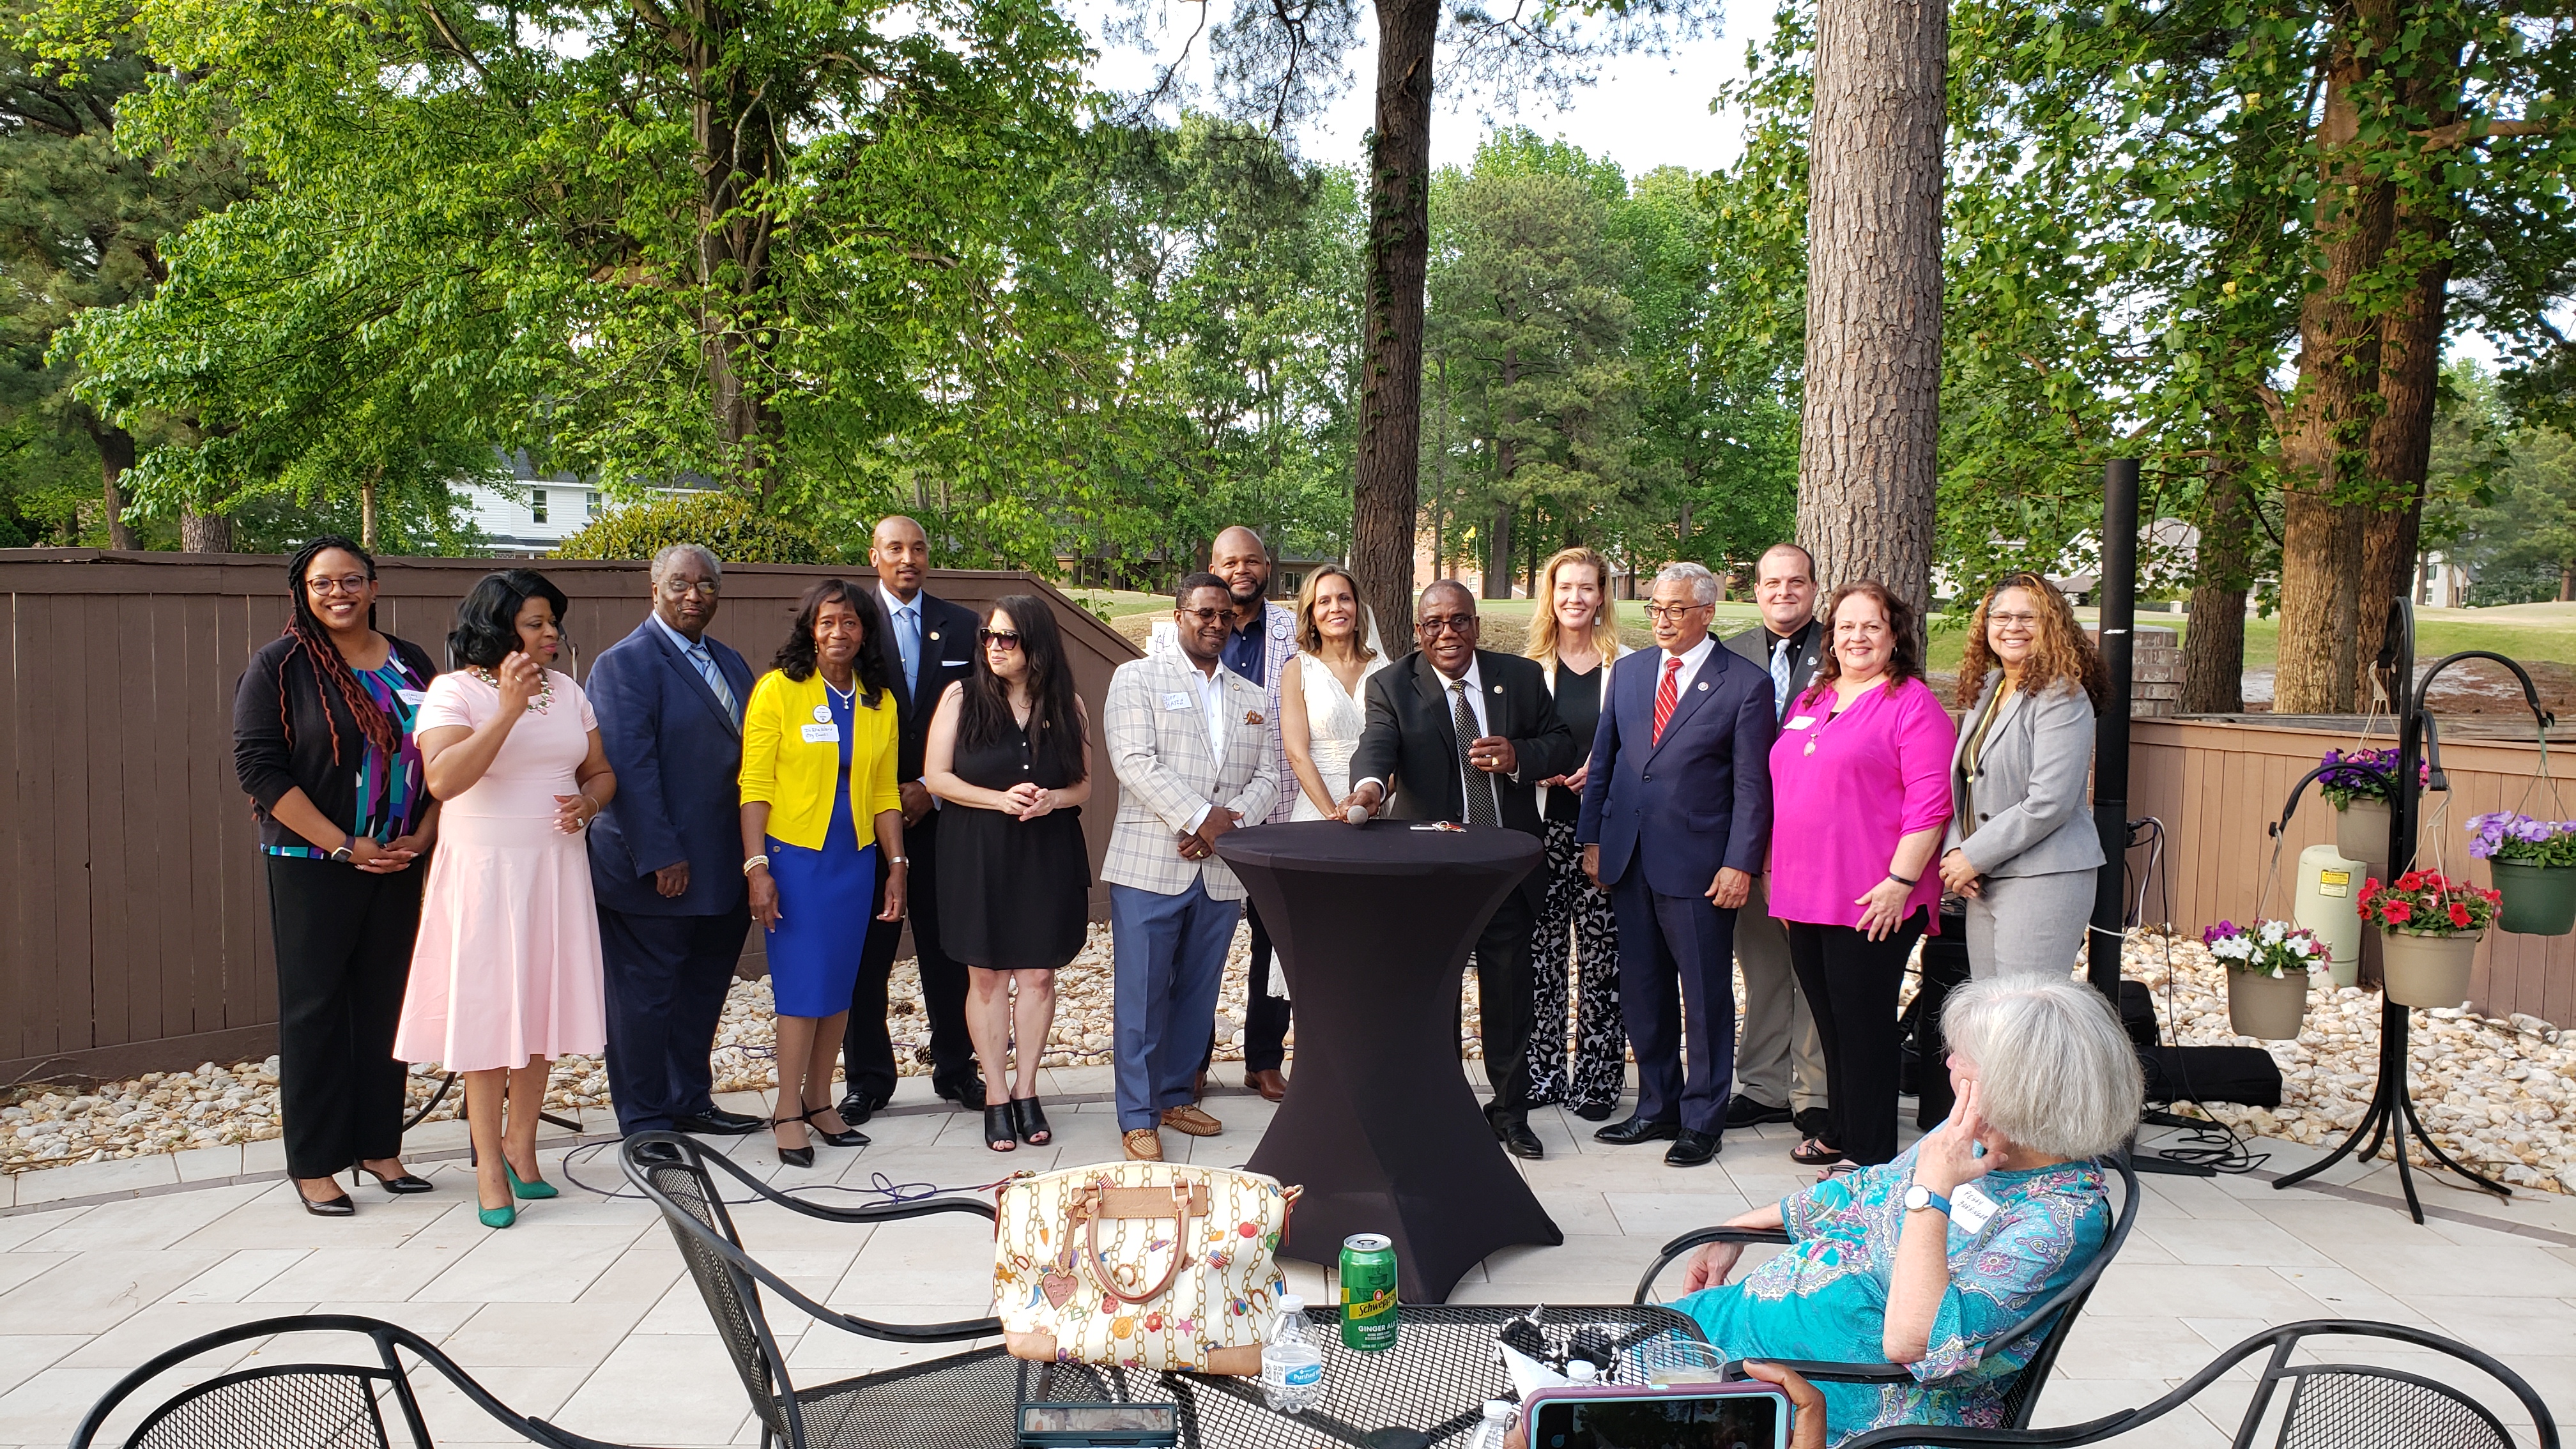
1144	1145
1272	1084
1192	1121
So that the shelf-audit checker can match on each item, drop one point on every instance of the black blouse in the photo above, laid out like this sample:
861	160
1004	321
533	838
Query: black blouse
1578	703
282	740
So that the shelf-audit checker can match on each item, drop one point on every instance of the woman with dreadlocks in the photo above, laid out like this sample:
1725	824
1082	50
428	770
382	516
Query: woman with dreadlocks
322	740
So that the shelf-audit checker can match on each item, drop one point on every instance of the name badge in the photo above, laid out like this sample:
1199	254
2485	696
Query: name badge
822	714
1178	700
1801	722
826	733
1970	1208
411	697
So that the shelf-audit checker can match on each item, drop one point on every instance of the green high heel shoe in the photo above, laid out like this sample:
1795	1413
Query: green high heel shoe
499	1217
526	1190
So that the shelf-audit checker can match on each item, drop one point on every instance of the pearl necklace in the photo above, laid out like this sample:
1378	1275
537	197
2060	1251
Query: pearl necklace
545	688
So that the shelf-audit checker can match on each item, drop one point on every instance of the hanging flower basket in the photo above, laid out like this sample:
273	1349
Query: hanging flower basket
2267	975
2358	783
2535	870
2429	926
2361	832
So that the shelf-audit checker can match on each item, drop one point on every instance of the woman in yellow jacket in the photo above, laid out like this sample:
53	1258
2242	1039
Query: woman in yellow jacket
818	767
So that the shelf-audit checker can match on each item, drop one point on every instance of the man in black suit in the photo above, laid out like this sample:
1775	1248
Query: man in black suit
1779	1060
929	645
1466	735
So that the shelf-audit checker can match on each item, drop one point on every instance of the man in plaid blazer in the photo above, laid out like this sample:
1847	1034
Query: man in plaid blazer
1190	742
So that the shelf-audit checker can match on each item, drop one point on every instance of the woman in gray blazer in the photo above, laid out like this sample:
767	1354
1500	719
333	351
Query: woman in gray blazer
2022	848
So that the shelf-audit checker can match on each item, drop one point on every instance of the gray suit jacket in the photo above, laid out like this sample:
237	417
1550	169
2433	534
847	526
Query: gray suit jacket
1755	644
1158	748
2031	811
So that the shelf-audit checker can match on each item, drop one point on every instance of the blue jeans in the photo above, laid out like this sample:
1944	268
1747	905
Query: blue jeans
1170	954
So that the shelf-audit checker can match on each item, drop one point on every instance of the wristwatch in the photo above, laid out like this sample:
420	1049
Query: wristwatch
346	850
1918	1197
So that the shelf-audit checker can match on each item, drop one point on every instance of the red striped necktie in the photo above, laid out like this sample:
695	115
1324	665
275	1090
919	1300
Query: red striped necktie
1667	694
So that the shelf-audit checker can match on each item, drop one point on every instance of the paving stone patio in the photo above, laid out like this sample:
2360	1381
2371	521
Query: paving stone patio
581	1313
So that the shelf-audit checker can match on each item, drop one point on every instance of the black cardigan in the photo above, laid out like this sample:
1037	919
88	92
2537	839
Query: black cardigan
269	765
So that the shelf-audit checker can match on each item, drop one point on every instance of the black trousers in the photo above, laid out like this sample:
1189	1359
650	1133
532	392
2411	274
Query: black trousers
867	1049
665	978
1851	983
1503	1006
344	940
1265	1017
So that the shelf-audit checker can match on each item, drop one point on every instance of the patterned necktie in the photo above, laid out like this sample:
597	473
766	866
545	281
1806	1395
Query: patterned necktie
706	666
907	639
1667	694
1479	791
1780	675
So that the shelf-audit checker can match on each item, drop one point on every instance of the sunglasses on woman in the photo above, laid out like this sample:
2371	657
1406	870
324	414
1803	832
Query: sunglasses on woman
1004	637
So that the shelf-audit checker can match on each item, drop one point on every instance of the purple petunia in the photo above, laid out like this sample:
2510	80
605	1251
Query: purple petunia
2513	836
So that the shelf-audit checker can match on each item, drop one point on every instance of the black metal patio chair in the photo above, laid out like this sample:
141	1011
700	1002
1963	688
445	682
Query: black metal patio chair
900	1407
303	1405
2051	1323
2326	1405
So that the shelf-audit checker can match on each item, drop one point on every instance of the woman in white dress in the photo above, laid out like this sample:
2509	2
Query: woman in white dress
1328	680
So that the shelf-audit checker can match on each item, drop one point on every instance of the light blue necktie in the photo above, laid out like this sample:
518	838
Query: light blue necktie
706	664
907	638
1780	675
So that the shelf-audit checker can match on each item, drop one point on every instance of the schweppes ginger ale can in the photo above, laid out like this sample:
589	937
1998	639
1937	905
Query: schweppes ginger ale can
1368	1292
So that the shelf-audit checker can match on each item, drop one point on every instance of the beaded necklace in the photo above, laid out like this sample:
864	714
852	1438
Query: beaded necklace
545	688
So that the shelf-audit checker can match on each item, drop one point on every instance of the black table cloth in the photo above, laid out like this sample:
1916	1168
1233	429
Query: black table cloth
1373	924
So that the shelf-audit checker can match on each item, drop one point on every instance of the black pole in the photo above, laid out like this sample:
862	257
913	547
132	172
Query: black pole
2117	595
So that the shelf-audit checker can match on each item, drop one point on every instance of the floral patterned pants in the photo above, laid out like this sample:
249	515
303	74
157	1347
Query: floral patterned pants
1577	931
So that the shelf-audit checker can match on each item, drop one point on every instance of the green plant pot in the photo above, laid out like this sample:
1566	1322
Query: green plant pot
2361	833
2418	969
2270	1007
2539	900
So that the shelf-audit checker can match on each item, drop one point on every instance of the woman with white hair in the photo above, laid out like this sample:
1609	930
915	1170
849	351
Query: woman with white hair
1924	1260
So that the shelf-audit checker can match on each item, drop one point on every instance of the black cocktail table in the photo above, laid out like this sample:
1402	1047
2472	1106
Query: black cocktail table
1373	924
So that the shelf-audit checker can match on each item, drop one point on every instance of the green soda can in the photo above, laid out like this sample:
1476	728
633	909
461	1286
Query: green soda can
1368	1292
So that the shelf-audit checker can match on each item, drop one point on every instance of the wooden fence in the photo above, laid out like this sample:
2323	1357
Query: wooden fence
2217	784
134	930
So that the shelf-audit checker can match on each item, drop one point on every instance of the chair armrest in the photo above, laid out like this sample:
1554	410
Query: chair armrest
1700	1239
1840	1373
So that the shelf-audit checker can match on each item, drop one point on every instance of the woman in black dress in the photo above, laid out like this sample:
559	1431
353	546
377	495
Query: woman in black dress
1010	753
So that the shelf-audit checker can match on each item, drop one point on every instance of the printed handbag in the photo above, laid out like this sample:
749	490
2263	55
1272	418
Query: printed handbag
1148	1265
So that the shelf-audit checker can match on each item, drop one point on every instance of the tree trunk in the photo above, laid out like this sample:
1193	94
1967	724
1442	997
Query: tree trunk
115	456
1868	449
1507	461
737	130
2567	581
2213	647
2401	451
204	532
1389	457
367	512
2326	435
1498	554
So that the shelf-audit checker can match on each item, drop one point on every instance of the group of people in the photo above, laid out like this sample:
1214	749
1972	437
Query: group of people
597	855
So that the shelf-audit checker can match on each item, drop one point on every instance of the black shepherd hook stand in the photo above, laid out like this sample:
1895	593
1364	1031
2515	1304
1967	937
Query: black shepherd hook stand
2419	751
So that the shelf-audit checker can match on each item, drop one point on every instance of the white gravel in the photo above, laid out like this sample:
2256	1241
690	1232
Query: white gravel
2495	1092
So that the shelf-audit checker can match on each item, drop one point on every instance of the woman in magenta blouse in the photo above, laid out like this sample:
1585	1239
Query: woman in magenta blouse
1860	786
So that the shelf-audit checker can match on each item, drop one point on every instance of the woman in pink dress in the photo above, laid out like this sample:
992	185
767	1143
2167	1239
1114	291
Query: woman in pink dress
505	977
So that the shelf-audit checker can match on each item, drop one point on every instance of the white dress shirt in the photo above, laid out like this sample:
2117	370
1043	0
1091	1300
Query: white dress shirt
1211	686
1468	775
1692	659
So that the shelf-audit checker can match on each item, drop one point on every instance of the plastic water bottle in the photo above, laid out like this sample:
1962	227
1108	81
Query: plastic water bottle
1497	1425
1292	1363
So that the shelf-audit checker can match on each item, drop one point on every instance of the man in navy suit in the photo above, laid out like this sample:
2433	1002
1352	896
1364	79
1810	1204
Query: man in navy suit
1676	818
666	857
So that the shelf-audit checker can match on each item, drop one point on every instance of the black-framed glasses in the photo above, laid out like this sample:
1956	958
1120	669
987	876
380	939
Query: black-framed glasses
1204	616
344	584
1447	624
1674	612
1008	639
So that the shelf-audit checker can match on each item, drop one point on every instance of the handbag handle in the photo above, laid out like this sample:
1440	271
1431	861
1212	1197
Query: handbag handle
1184	1199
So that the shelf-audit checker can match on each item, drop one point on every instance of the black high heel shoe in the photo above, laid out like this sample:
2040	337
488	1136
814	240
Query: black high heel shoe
999	1135
1028	1119
329	1207
847	1137
407	1183
792	1156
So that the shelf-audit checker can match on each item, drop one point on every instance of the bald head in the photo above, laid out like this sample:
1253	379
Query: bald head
1239	557
901	553
1450	590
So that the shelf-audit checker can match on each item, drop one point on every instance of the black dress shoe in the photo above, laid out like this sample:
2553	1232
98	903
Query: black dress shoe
1636	1130
1691	1149
1745	1112
1596	1111
658	1152
858	1107
716	1122
966	1092
329	1207
1519	1140
848	1136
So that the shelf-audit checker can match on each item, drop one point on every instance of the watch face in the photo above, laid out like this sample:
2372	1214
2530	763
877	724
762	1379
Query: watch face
1918	1196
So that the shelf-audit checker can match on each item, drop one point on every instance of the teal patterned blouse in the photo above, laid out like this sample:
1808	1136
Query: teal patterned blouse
1826	1296
391	797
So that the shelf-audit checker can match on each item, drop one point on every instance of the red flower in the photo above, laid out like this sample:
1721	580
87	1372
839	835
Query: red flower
2369	888
2412	880
2396	912
2459	915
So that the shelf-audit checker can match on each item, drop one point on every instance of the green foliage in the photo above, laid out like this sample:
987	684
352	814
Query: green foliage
2503	495
727	522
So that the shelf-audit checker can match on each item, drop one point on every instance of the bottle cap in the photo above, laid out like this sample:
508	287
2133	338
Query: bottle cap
1291	1303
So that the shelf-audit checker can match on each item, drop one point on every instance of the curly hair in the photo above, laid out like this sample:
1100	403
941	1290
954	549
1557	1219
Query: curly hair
2062	652
1907	661
796	658
487	623
313	641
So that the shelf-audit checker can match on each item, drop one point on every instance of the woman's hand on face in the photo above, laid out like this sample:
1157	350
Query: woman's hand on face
520	678
1957	875
898	878
1883	907
764	898
1711	1266
1948	1156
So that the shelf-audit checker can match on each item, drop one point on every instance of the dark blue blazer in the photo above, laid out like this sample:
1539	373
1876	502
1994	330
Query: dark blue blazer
1699	800
678	758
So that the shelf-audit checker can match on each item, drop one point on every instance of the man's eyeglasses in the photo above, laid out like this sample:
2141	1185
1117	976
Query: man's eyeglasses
344	584
675	588
1448	624
1204	616
1004	637
1674	612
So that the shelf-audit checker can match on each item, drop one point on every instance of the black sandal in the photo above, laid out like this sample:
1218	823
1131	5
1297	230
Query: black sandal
1028	1119
998	1134
1814	1153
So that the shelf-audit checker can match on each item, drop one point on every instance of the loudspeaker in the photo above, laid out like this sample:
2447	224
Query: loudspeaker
2246	1076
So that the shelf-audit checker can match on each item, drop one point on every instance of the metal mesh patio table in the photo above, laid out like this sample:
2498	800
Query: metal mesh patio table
1435	1381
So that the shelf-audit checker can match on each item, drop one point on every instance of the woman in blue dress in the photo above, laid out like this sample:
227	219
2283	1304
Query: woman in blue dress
1923	1261
818	768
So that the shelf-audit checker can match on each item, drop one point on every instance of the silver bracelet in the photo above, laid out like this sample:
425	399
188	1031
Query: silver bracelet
757	862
